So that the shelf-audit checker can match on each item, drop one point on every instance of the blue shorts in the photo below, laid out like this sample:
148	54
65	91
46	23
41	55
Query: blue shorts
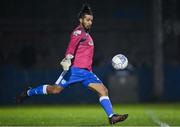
75	75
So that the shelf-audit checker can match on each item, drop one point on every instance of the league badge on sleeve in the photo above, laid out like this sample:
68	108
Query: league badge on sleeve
77	32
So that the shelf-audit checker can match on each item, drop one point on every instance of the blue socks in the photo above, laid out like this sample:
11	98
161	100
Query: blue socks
106	104
104	100
37	91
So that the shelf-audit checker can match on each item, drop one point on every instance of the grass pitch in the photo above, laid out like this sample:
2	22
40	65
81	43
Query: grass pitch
93	115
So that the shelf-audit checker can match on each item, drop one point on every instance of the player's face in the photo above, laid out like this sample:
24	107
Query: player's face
86	21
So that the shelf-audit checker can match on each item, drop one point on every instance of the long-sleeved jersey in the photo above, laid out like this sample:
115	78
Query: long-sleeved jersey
81	46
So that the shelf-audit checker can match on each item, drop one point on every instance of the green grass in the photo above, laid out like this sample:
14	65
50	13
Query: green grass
81	115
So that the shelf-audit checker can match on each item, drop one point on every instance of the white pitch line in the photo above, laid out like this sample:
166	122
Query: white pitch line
156	119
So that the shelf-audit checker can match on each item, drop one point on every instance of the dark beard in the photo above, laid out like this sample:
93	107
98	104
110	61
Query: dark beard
87	30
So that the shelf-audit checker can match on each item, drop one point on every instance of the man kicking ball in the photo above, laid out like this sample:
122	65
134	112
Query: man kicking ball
77	66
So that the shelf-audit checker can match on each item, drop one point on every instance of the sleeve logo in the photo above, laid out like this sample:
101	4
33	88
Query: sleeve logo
77	32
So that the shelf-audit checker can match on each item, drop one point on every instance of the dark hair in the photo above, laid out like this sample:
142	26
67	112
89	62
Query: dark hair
85	10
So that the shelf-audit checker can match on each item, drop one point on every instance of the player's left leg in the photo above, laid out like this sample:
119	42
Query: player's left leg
72	76
42	89
105	102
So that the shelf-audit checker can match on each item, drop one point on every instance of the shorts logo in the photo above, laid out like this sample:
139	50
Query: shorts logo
96	77
63	81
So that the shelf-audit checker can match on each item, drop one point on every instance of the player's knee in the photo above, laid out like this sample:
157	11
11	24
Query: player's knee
103	92
54	89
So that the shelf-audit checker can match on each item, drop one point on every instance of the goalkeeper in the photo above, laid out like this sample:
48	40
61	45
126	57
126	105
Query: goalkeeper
78	64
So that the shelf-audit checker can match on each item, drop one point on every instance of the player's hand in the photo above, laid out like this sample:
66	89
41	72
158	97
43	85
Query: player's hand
66	63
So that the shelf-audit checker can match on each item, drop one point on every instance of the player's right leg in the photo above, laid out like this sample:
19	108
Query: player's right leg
40	90
105	102
95	84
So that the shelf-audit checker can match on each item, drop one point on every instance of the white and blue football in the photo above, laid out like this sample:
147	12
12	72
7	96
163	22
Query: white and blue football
119	61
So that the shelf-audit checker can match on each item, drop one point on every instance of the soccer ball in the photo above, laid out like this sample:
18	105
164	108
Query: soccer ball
119	61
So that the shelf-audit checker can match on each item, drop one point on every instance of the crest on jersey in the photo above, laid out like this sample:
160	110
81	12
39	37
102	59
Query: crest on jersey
91	42
77	32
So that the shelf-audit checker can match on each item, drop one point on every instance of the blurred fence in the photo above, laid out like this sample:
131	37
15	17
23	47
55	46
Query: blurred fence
129	87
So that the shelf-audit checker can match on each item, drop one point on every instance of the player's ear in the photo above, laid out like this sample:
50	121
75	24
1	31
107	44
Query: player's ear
80	20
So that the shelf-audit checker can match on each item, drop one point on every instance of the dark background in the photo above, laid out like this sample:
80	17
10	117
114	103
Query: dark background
34	36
